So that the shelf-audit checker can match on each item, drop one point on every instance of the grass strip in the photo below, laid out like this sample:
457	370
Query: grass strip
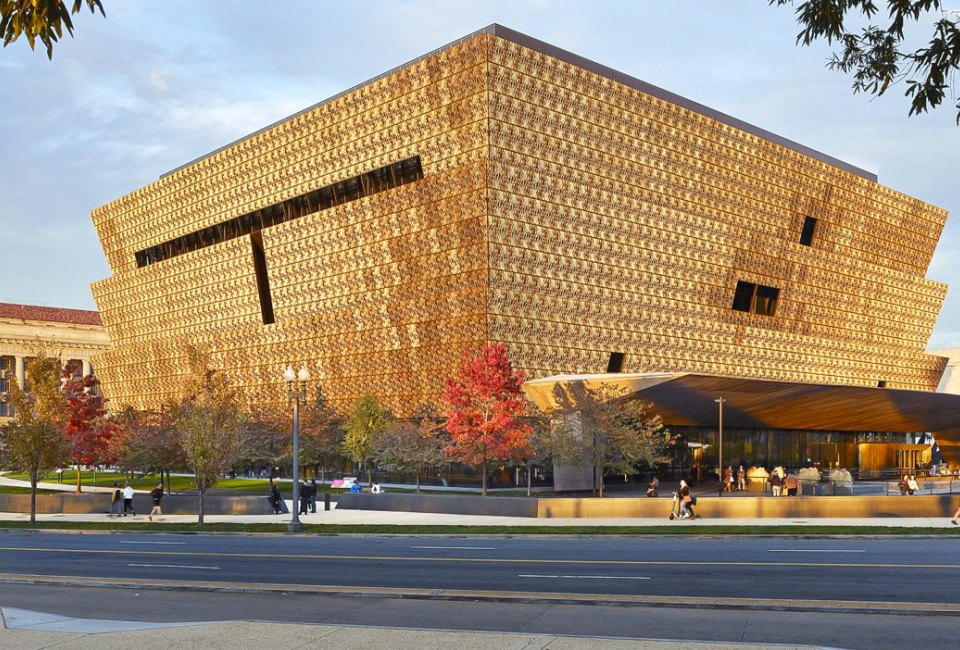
395	529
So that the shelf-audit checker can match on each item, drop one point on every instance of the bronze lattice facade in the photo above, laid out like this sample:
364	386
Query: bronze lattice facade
500	189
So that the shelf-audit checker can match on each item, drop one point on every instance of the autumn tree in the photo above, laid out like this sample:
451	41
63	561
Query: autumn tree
874	54
208	418
321	434
606	429
268	437
88	428
151	441
45	20
485	407
365	420
412	446
34	440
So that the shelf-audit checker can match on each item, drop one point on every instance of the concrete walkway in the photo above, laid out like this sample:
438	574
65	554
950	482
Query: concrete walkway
28	630
59	487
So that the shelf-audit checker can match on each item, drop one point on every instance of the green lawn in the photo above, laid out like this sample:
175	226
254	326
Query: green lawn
16	489
178	483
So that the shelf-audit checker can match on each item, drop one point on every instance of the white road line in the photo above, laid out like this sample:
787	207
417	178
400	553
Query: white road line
153	542
815	550
538	575
178	566
465	548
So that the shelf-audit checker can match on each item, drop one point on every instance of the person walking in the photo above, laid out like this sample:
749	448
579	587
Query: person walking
775	483
741	479
128	500
956	516
686	502
116	500
728	479
313	495
156	495
791	483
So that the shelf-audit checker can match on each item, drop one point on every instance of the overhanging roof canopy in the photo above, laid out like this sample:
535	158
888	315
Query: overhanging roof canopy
688	400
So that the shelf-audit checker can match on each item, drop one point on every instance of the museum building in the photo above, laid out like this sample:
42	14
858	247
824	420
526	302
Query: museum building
73	335
502	189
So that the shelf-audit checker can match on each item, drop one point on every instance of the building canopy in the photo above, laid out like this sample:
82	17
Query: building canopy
689	400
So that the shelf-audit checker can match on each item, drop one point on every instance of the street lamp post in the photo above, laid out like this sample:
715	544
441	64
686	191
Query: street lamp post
296	393
720	402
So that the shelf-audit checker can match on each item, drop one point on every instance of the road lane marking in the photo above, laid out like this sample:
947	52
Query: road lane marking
814	550
538	575
171	543
461	548
476	560
177	566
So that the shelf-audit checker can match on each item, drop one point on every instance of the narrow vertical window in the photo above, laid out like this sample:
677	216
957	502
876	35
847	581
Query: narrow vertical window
743	297
263	281
806	235
615	364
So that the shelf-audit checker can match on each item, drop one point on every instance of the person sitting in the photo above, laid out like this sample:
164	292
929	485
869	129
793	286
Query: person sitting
652	487
912	485
356	488
375	489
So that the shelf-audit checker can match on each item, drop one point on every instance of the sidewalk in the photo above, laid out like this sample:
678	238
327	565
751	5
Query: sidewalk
383	517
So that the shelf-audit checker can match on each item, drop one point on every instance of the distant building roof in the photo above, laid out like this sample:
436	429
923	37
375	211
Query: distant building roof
50	314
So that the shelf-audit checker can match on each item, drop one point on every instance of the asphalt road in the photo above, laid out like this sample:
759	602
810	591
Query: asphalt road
600	570
770	569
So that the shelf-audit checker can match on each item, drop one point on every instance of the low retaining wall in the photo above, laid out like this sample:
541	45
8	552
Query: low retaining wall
769	507
174	504
443	504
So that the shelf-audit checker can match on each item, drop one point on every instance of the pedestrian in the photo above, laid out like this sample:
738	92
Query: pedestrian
116	500
686	502
652	487
791	483
275	498
728	479
775	483
956	516
156	495
903	484
912	485
128	500
304	498
313	495
741	479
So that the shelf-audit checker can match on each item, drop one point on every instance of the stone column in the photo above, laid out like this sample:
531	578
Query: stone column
87	368
21	373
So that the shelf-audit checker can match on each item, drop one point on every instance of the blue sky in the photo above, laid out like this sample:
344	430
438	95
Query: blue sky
157	84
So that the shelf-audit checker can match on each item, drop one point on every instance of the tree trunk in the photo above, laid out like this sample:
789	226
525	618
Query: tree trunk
529	480
169	485
600	480
79	488
370	474
483	468
418	480
200	519
33	497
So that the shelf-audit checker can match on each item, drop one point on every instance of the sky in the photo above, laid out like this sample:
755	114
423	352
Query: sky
157	84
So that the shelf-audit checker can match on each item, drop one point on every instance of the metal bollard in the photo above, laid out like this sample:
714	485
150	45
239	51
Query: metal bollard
326	501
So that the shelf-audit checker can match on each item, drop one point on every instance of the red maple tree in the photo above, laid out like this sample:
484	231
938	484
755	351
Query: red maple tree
486	405
88	430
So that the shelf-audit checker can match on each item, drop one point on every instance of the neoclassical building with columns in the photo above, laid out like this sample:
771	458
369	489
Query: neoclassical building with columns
74	335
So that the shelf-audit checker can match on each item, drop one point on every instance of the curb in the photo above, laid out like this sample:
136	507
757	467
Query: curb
677	602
